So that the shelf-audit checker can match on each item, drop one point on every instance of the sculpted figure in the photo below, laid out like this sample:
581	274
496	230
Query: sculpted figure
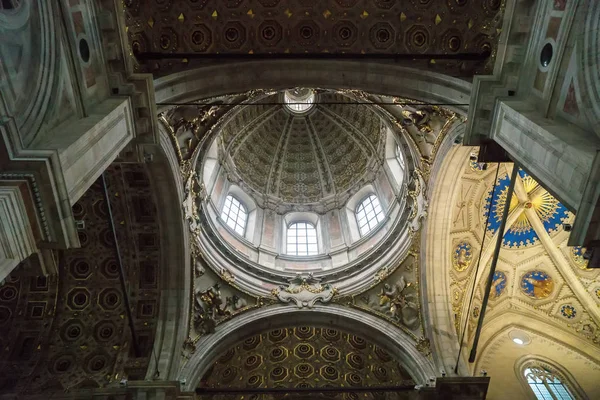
236	303
208	307
462	260
397	302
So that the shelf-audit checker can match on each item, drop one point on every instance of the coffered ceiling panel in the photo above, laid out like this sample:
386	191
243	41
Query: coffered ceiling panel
303	26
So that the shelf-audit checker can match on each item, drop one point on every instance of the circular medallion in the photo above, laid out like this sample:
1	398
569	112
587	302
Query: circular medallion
537	284
568	311
577	253
498	284
462	256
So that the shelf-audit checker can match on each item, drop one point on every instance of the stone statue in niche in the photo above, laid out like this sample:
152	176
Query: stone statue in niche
399	301
208	308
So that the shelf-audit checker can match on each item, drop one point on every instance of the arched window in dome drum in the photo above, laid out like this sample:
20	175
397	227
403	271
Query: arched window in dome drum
234	215
400	157
369	214
545	384
302	239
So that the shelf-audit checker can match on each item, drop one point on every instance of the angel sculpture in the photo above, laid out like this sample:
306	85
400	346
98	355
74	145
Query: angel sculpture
399	302
208	307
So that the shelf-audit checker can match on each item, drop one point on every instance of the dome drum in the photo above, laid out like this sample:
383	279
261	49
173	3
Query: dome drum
337	170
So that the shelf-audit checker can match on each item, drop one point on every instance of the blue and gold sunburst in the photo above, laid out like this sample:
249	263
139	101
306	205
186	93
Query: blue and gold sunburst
521	234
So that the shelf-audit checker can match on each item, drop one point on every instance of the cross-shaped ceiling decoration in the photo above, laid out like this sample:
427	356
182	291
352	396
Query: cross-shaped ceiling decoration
537	272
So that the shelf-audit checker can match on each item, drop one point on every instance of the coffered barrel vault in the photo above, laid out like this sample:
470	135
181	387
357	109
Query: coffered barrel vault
205	27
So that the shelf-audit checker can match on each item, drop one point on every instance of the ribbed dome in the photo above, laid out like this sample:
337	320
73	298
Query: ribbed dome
322	156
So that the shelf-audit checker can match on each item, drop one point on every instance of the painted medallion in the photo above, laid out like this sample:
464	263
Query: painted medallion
462	256
568	311
498	284
537	284
577	253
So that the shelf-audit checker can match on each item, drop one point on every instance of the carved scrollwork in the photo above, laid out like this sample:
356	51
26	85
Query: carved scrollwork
305	291
419	201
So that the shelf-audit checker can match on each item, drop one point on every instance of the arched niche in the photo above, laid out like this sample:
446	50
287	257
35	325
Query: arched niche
398	344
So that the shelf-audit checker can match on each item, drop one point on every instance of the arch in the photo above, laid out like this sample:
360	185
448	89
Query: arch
373	77
234	214
369	214
297	217
384	334
176	267
437	309
588	53
301	239
555	375
395	158
238	193
351	207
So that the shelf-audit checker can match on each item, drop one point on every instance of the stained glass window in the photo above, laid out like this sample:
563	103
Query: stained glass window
369	214
545	385
302	239
234	215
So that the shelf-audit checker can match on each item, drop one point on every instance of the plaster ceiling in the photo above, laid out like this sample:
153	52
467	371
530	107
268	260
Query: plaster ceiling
297	26
537	275
329	153
305	356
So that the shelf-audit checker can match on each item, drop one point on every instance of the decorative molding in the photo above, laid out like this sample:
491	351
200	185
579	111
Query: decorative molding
16	236
305	291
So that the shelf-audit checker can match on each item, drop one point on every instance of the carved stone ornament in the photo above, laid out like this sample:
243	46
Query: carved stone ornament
305	291
194	195
424	346
209	307
398	301
419	201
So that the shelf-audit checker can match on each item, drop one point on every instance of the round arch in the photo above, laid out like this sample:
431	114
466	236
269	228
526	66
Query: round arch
436	307
392	339
385	79
380	78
